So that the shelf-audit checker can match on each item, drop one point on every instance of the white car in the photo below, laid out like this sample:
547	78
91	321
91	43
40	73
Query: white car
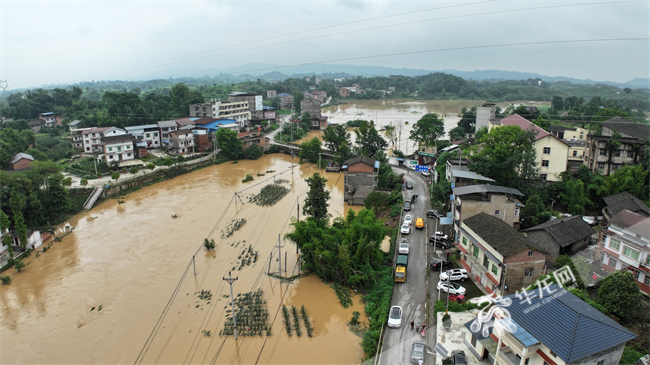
454	274
426	173
404	247
408	219
440	236
395	317
406	228
451	288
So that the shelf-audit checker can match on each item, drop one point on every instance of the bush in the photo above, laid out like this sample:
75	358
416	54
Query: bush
377	307
18	265
151	166
253	152
395	210
6	280
619	294
249	177
375	199
134	170
273	149
630	356
115	176
83	182
209	244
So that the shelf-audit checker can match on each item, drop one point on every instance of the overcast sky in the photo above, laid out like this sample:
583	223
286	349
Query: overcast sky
45	42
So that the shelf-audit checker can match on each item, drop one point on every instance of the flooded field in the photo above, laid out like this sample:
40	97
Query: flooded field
121	288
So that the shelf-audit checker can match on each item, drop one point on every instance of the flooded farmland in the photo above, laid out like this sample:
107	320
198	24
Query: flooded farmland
121	288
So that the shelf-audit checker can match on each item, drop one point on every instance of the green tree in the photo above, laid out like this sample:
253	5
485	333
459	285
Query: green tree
628	178
368	139
575	200
83	182
5	224
67	181
619	294
151	166
317	200
297	99
428	129
134	170
57	199
231	146
534	212
21	229
310	150
557	103
457	133
181	97
334	136
115	175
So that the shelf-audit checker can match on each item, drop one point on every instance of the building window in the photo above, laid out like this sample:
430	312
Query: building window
636	275
110	149
530	253
119	148
476	251
603	152
495	269
547	150
614	244
630	252
128	154
601	362
612	262
646	280
630	154
517	210
615	166
617	153
87	148
465	243
647	260
528	272
496	212
155	134
148	134
601	166
543	177
544	163
575	153
473	341
486	262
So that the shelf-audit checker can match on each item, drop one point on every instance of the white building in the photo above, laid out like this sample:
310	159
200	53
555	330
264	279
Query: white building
166	127
92	140
149	133
34	240
181	142
118	148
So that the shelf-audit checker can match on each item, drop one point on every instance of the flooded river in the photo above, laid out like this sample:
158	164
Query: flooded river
124	279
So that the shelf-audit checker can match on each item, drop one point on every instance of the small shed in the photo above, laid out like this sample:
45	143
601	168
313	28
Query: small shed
21	161
560	236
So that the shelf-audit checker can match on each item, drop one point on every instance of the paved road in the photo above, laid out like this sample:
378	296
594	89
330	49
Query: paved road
411	295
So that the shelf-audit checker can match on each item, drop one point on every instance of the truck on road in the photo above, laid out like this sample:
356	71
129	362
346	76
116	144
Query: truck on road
400	270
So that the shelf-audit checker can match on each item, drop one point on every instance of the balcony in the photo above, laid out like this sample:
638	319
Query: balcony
507	357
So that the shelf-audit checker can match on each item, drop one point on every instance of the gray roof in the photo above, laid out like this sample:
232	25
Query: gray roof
74	122
473	189
637	130
35	122
363	159
566	324
498	234
136	127
632	222
167	123
563	231
282	95
469	175
616	203
118	138
20	156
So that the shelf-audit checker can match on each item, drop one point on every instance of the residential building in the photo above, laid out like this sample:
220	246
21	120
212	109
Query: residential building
552	153
484	113
391	88
118	147
458	164
166	127
344	92
496	256
34	240
77	137
20	161
577	133
201	140
36	125
624	201
548	327
317	80
361	177
211	124
625	245
255	106
286	100
471	200
48	119
270	94
319	95
621	143
181	142
463	178
250	138
313	107
269	113
74	124
201	110
92	140
560	236
148	133
576	153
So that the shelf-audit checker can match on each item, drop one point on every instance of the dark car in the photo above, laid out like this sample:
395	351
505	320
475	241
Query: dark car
419	352
434	214
446	264
458	357
444	244
409	185
407	207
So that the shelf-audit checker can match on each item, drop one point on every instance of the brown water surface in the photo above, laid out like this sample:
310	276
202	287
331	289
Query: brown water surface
134	259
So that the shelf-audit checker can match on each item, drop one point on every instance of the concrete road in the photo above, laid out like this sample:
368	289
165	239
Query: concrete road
411	295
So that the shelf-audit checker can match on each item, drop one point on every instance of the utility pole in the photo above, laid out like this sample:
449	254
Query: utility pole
279	257
298	213
231	280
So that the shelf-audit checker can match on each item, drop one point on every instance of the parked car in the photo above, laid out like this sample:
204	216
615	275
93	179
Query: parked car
435	264
458	357
454	274
418	353
408	219
409	185
395	317
419	223
426	173
404	246
440	236
451	288
406	228
439	243
432	213
407	207
457	298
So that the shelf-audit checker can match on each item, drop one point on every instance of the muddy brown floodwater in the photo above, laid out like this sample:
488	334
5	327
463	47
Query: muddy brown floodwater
101	293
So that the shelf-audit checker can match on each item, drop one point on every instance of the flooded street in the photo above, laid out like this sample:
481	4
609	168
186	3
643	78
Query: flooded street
125	275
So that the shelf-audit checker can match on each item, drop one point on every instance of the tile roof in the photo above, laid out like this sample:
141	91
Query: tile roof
118	138
616	203
632	129
498	234
96	130
632	222
525	124
283	95
566	324
564	231
167	123
360	159
473	189
20	156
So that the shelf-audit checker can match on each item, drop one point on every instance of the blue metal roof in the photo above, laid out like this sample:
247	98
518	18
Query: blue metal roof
566	324
268	108
522	335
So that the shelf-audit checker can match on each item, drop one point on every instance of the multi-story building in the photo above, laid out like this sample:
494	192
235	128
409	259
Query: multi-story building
118	147
458	164
624	201
166	127
270	94
181	142
577	133
92	140
344	92
76	134
149	133
625	245
313	107
552	152
498	201
621	143
497	257
255	106
484	113
360	178
547	327
48	118
254	138
286	100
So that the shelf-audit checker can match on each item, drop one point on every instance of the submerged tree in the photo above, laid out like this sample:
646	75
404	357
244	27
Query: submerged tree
317	200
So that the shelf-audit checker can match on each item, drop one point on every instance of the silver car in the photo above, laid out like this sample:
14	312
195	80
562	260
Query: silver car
404	247
419	352
395	317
